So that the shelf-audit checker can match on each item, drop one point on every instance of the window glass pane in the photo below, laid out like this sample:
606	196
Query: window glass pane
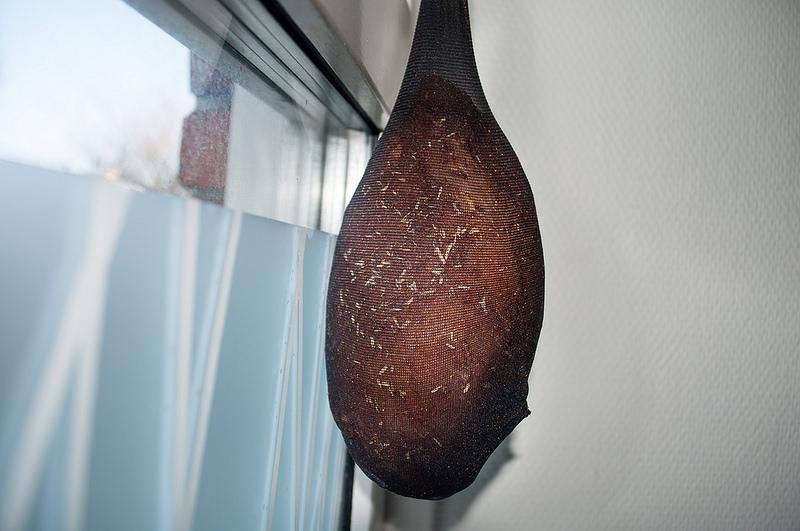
93	87
185	340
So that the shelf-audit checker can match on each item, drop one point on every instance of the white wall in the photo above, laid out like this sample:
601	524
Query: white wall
662	142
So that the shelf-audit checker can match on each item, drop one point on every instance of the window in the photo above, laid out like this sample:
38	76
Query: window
162	360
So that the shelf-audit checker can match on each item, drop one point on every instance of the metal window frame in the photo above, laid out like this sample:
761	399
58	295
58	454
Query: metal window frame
293	46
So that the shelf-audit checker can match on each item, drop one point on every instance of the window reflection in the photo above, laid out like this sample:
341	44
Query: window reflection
206	133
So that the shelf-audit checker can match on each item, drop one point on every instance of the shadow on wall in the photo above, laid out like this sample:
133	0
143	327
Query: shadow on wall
450	514
399	512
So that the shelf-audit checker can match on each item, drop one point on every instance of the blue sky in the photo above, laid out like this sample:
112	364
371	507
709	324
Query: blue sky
78	79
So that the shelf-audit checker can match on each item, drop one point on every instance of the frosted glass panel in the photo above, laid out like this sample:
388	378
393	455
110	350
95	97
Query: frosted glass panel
161	364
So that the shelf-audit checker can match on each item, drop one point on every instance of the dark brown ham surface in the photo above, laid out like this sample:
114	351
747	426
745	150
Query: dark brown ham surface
436	294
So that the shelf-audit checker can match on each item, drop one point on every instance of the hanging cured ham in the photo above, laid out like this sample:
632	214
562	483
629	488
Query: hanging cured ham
436	294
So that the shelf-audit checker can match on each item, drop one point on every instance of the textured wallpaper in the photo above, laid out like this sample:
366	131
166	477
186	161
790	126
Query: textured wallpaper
662	142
